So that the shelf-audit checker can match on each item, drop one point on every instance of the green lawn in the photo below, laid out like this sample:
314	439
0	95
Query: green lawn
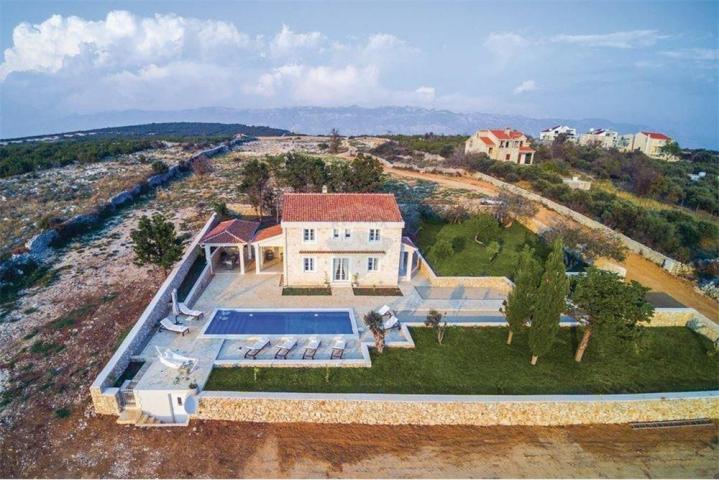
471	258
477	361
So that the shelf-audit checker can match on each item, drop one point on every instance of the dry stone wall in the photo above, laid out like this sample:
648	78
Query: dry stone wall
455	410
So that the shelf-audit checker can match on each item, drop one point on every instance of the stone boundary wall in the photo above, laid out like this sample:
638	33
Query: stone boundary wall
379	409
203	280
501	284
686	317
105	398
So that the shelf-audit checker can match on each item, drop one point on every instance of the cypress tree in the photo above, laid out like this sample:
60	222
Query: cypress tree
550	303
520	301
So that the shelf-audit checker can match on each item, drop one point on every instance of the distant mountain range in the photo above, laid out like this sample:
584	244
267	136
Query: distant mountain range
352	120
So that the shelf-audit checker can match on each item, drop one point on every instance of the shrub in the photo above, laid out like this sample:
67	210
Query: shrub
158	166
63	412
434	321
443	248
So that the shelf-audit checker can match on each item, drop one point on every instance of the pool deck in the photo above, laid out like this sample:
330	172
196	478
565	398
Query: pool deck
230	289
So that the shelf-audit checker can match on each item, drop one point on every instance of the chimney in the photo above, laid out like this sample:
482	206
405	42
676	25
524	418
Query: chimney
507	130
324	188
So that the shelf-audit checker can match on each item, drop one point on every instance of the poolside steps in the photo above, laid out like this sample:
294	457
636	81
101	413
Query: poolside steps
129	416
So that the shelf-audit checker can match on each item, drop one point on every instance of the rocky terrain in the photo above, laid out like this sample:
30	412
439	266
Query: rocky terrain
65	328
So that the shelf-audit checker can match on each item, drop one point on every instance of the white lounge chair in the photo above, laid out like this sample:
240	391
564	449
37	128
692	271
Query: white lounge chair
171	326
338	347
384	310
311	348
185	310
390	318
174	360
283	348
256	347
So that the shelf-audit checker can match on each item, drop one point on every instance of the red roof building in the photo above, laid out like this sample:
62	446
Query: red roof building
340	207
231	232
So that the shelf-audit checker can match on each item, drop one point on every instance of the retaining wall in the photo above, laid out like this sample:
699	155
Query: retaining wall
455	409
103	396
500	284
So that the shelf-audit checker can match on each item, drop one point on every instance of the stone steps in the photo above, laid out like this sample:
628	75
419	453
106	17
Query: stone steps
129	416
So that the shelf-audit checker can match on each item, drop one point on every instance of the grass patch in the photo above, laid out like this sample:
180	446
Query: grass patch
478	361
472	259
307	291
45	348
62	412
377	292
72	317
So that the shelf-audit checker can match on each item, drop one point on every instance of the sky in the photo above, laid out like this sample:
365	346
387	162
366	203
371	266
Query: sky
649	63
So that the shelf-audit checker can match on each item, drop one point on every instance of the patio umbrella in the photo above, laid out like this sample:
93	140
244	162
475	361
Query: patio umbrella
175	306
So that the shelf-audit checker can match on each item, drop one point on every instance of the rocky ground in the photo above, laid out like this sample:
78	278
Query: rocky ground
65	329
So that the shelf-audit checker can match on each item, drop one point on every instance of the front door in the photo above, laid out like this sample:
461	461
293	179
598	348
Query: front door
340	269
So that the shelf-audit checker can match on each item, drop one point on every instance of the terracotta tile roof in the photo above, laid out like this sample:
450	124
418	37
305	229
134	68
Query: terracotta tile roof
232	231
487	140
340	207
268	232
656	135
503	135
526	149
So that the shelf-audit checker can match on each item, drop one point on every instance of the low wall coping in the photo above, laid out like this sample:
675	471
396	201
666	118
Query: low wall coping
381	397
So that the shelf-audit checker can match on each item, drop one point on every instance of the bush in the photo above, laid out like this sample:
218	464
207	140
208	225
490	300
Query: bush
443	248
158	166
63	412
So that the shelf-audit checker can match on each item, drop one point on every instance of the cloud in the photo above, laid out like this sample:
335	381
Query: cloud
525	86
121	39
628	39
287	42
694	54
505	46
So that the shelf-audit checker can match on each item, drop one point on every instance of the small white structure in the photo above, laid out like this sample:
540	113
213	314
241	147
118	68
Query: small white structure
695	177
576	183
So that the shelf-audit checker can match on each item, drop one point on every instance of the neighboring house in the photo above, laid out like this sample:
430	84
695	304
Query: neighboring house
324	238
600	138
505	145
651	143
549	135
625	142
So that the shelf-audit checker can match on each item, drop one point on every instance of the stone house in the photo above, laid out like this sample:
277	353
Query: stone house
504	145
600	138
324	239
549	135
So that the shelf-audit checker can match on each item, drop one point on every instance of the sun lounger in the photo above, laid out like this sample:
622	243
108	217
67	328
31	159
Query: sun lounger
174	360
185	310
385	311
311	348
283	348
171	326
256	347
390	323
338	348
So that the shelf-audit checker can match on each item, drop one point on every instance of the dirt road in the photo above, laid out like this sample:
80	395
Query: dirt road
638	268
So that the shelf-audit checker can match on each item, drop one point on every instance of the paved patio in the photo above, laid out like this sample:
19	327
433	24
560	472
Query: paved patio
230	289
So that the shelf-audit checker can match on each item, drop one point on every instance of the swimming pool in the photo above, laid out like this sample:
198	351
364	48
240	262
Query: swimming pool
231	322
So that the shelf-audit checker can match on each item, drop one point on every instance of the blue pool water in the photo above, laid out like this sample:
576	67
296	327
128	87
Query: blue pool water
234	322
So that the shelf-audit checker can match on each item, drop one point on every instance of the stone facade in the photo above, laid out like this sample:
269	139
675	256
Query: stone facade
455	410
326	247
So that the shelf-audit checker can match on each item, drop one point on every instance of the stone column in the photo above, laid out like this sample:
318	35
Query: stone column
408	267
208	257
258	258
241	248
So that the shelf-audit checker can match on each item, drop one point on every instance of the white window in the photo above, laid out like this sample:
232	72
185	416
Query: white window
348	233
335	233
374	234
308	235
308	264
372	264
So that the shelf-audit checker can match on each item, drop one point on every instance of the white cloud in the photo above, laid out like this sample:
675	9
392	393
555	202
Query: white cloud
695	54
628	39
121	39
505	46
287	42
525	86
